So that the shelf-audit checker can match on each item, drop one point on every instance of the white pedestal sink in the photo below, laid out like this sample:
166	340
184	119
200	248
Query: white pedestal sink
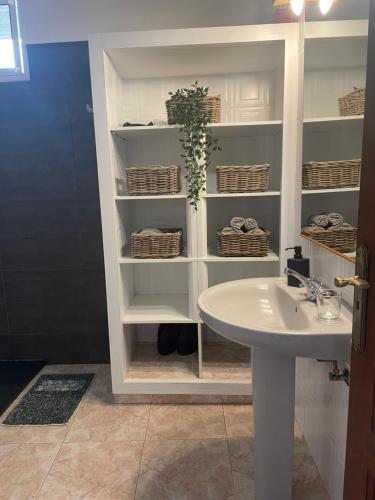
274	319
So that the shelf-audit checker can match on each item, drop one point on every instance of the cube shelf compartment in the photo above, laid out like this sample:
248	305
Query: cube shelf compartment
157	293
144	361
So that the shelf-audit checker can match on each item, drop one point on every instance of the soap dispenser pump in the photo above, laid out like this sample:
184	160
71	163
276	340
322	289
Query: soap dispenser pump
298	263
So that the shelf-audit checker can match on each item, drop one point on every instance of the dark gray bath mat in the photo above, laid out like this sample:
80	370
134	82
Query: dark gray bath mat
51	400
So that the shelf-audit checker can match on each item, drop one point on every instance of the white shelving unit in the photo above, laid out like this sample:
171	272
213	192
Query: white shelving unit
257	72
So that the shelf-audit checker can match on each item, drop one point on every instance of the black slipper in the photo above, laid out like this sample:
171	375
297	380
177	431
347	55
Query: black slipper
187	342
167	338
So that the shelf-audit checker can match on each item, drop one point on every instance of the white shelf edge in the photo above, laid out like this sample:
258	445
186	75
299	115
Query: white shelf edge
326	191
135	131
174	386
241	195
155	319
128	259
151	197
247	124
193	380
162	308
333	119
271	257
131	260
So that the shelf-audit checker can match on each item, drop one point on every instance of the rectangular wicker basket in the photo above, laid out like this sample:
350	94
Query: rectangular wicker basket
153	180
342	239
211	109
331	174
242	178
153	245
243	245
353	103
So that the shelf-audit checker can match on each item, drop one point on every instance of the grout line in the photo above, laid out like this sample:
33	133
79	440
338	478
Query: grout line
229	459
143	447
50	468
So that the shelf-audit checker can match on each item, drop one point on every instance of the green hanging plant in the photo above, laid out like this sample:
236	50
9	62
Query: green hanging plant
187	110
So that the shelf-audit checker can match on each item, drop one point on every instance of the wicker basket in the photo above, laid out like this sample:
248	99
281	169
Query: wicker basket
353	103
342	239
164	245
243	245
331	174
211	109
242	179
155	180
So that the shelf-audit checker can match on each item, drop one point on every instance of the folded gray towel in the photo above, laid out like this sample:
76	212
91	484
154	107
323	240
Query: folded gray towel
150	230
312	229
231	230
335	218
250	225
321	220
343	225
237	223
257	231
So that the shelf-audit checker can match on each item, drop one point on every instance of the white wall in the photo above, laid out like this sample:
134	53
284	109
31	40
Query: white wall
321	405
44	21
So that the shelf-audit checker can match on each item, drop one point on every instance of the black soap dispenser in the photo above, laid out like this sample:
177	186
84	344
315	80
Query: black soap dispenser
299	264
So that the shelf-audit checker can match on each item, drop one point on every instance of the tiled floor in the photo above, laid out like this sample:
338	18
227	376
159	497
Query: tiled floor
142	452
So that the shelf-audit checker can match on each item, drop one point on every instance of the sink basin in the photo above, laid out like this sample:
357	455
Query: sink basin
266	312
274	319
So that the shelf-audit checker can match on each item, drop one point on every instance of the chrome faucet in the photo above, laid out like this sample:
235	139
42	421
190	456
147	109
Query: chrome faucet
312	288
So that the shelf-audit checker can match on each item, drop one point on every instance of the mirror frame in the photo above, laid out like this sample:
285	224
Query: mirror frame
335	252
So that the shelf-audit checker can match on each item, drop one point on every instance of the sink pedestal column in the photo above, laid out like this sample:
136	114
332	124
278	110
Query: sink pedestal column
274	398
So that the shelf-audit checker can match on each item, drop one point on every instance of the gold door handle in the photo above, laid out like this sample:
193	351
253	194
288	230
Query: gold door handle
361	286
355	281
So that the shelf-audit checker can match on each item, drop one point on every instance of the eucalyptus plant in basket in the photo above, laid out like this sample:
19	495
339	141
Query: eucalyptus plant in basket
186	108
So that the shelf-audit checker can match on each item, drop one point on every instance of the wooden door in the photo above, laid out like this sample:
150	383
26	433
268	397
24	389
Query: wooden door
360	459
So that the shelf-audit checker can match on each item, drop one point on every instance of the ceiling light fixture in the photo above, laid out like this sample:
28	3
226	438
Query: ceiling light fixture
325	5
297	6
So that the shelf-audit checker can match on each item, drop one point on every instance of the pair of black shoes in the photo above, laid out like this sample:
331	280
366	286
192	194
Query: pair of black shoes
180	337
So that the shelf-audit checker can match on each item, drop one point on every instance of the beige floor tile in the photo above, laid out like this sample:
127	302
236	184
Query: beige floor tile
307	483
237	400
23	468
132	399
100	390
33	433
94	471
241	453
185	470
178	399
239	420
99	422
186	422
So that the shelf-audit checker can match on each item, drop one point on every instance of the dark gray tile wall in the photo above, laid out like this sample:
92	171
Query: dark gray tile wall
52	288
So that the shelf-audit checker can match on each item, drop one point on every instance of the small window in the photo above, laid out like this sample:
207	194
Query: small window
12	54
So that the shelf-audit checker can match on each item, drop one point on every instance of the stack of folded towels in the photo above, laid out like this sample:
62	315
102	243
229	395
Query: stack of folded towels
325	221
240	225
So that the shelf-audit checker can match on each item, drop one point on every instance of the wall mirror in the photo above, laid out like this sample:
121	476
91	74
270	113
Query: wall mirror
335	59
